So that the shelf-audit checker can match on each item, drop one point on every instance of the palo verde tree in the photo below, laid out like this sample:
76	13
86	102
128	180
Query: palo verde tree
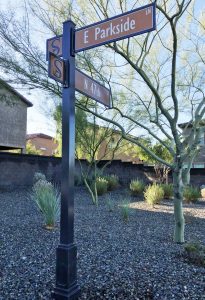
160	73
98	145
170	81
94	143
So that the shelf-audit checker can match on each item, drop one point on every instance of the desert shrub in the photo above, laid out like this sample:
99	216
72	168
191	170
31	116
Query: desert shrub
137	187
125	210
168	190
38	176
113	182
191	194
154	194
195	253
101	185
47	198
109	203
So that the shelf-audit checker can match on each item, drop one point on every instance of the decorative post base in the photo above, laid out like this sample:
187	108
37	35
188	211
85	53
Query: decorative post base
66	277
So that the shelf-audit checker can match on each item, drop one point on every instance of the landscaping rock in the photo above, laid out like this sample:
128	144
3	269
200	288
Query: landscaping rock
203	192
116	260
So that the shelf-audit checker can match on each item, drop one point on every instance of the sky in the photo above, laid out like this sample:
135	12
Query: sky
38	121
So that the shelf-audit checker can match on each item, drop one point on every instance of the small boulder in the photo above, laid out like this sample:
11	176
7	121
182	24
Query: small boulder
203	192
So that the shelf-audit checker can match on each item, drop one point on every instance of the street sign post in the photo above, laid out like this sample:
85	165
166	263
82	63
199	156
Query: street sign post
66	254
132	23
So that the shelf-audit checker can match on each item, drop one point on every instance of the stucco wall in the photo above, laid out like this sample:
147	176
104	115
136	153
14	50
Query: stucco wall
13	118
17	171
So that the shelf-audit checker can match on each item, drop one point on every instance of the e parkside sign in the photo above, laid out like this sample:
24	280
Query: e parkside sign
129	24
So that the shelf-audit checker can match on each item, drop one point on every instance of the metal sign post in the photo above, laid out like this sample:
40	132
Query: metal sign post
66	269
63	70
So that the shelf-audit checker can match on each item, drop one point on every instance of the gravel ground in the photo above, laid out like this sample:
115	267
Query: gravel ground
116	260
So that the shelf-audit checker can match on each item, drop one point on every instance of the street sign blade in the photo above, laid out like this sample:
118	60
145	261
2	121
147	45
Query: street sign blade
54	45
91	88
128	24
56	68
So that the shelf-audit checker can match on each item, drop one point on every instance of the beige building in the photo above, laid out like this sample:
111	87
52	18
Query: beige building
110	142
107	146
44	143
13	118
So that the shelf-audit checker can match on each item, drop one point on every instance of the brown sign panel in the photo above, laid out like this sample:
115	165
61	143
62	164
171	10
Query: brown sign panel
55	46
131	23
91	88
56	68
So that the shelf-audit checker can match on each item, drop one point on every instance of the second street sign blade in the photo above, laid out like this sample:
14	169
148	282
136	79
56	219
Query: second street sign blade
83	83
91	88
129	24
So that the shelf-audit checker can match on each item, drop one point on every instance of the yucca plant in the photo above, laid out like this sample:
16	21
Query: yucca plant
168	190
191	194
137	187
154	194
47	198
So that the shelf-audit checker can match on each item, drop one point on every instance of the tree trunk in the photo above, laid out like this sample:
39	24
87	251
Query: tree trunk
178	206
93	194
166	171
186	176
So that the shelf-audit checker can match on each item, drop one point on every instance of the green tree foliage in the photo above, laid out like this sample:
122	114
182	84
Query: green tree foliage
161	170
94	143
159	150
31	149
